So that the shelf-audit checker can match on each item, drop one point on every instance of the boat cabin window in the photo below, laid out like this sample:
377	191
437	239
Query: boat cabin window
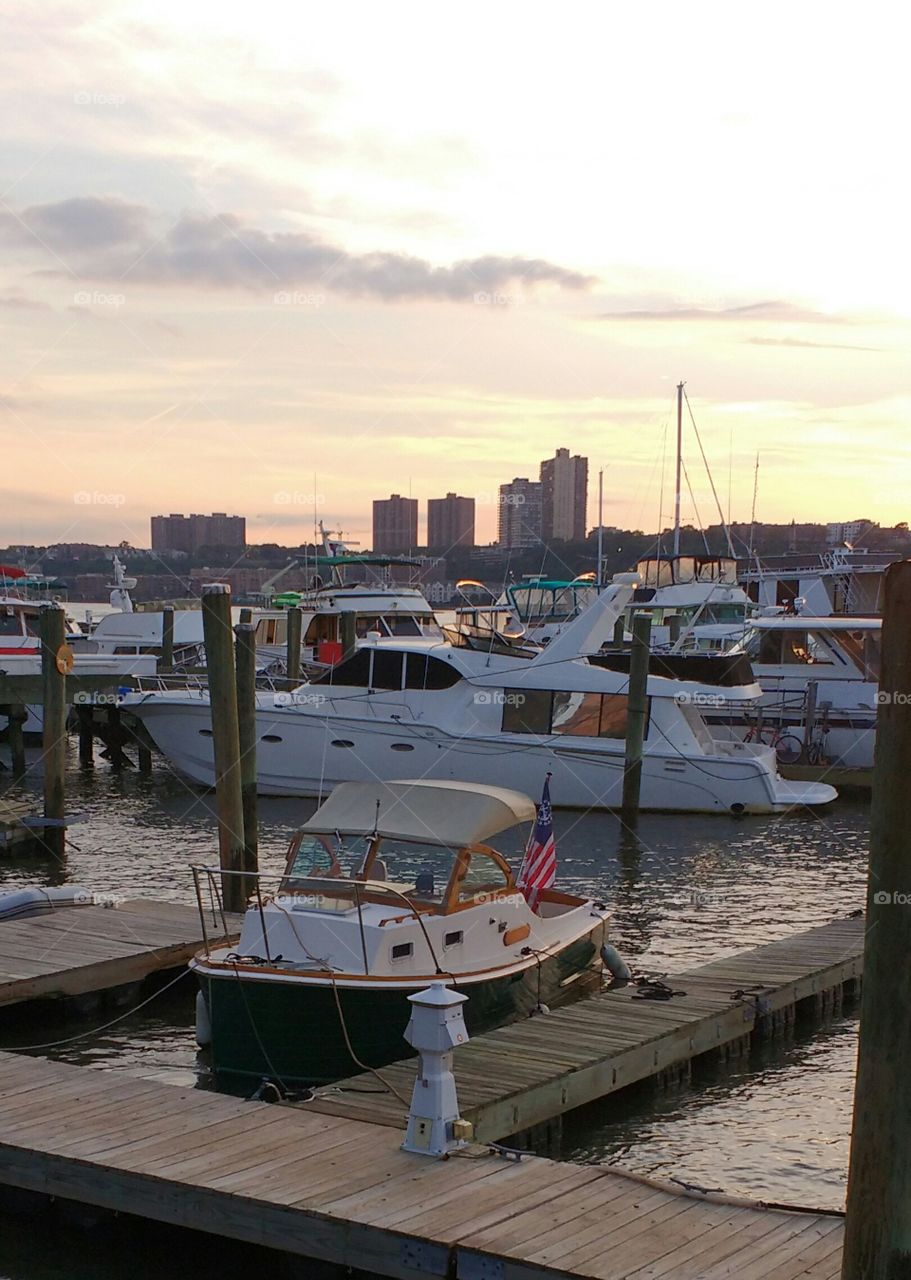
10	625
364	625
425	672
401	950
864	649
791	647
483	875
589	715
386	669
354	672
402	625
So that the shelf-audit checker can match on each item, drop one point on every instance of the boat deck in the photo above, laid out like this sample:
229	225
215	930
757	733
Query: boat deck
523	1075
73	951
340	1190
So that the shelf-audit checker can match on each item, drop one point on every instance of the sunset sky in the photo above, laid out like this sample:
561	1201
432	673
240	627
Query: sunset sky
278	260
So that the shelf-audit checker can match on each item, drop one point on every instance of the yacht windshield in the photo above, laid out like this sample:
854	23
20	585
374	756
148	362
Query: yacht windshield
330	868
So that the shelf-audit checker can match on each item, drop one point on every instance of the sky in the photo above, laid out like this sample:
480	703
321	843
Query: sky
281	260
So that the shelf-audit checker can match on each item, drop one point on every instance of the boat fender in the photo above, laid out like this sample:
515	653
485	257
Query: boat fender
615	965
539	1008
203	1022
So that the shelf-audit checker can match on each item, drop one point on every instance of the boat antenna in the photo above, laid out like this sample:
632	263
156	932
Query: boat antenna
680	386
708	472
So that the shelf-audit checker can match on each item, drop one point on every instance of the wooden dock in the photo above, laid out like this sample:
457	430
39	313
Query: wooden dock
524	1075
74	951
341	1191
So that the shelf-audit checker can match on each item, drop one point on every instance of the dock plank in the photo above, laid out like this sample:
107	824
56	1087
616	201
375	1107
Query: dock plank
80	950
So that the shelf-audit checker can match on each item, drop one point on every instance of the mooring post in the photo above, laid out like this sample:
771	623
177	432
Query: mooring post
347	630
16	718
84	722
809	720
219	641
144	757
620	631
246	615
878	1223
637	710
674	624
167	639
245	667
54	657
293	655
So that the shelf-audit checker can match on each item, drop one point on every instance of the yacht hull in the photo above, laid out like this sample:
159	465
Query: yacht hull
300	753
289	1029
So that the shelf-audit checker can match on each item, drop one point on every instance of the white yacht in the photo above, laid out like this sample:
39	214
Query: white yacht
478	716
20	651
819	679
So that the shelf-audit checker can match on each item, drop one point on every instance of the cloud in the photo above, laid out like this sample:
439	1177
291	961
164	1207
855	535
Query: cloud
802	342
17	302
106	238
779	311
81	223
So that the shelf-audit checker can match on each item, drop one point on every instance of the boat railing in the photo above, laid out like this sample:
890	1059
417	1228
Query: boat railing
197	682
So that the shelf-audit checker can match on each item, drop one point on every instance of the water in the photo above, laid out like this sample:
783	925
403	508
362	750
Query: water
683	890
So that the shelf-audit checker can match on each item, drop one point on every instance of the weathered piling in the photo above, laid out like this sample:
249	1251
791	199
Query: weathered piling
637	710
878	1224
245	669
809	719
55	659
16	718
219	642
620	631
86	732
167	639
293	655
347	630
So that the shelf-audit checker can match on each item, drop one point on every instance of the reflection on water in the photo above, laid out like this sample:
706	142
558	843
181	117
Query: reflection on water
683	890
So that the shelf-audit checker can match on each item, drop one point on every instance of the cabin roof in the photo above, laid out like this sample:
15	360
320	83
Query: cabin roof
449	813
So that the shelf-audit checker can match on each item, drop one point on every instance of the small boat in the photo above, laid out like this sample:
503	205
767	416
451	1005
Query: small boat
388	887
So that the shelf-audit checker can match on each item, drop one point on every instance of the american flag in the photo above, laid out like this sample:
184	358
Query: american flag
539	866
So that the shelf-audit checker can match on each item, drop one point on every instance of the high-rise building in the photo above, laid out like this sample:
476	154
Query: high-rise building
189	533
450	522
564	497
395	524
519	517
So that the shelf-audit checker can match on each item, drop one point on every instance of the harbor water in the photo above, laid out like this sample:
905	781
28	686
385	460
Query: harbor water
682	889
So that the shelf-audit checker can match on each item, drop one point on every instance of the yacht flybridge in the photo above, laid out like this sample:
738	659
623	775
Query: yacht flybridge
388	887
472	715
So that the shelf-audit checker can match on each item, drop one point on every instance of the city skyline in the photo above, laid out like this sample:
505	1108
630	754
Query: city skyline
284	290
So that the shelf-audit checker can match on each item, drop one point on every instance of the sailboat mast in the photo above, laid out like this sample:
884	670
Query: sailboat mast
600	526
679	468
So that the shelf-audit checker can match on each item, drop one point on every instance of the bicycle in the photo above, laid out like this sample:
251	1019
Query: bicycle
788	747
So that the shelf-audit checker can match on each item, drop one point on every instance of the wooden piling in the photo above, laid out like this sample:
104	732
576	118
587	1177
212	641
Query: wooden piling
219	642
144	757
878	1223
16	718
245	670
86	730
809	721
674	623
620	631
246	615
167	639
637	711
293	658
347	630
53	759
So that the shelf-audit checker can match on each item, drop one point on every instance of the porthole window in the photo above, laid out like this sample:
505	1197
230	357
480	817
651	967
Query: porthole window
271	737
402	950
205	733
453	939
401	746
341	742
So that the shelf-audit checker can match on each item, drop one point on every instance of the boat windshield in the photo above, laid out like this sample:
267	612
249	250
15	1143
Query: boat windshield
332	867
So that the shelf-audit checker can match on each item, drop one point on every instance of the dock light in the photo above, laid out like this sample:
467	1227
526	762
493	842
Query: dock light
436	1027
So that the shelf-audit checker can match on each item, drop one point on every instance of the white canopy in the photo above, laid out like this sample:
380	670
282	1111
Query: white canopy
451	813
